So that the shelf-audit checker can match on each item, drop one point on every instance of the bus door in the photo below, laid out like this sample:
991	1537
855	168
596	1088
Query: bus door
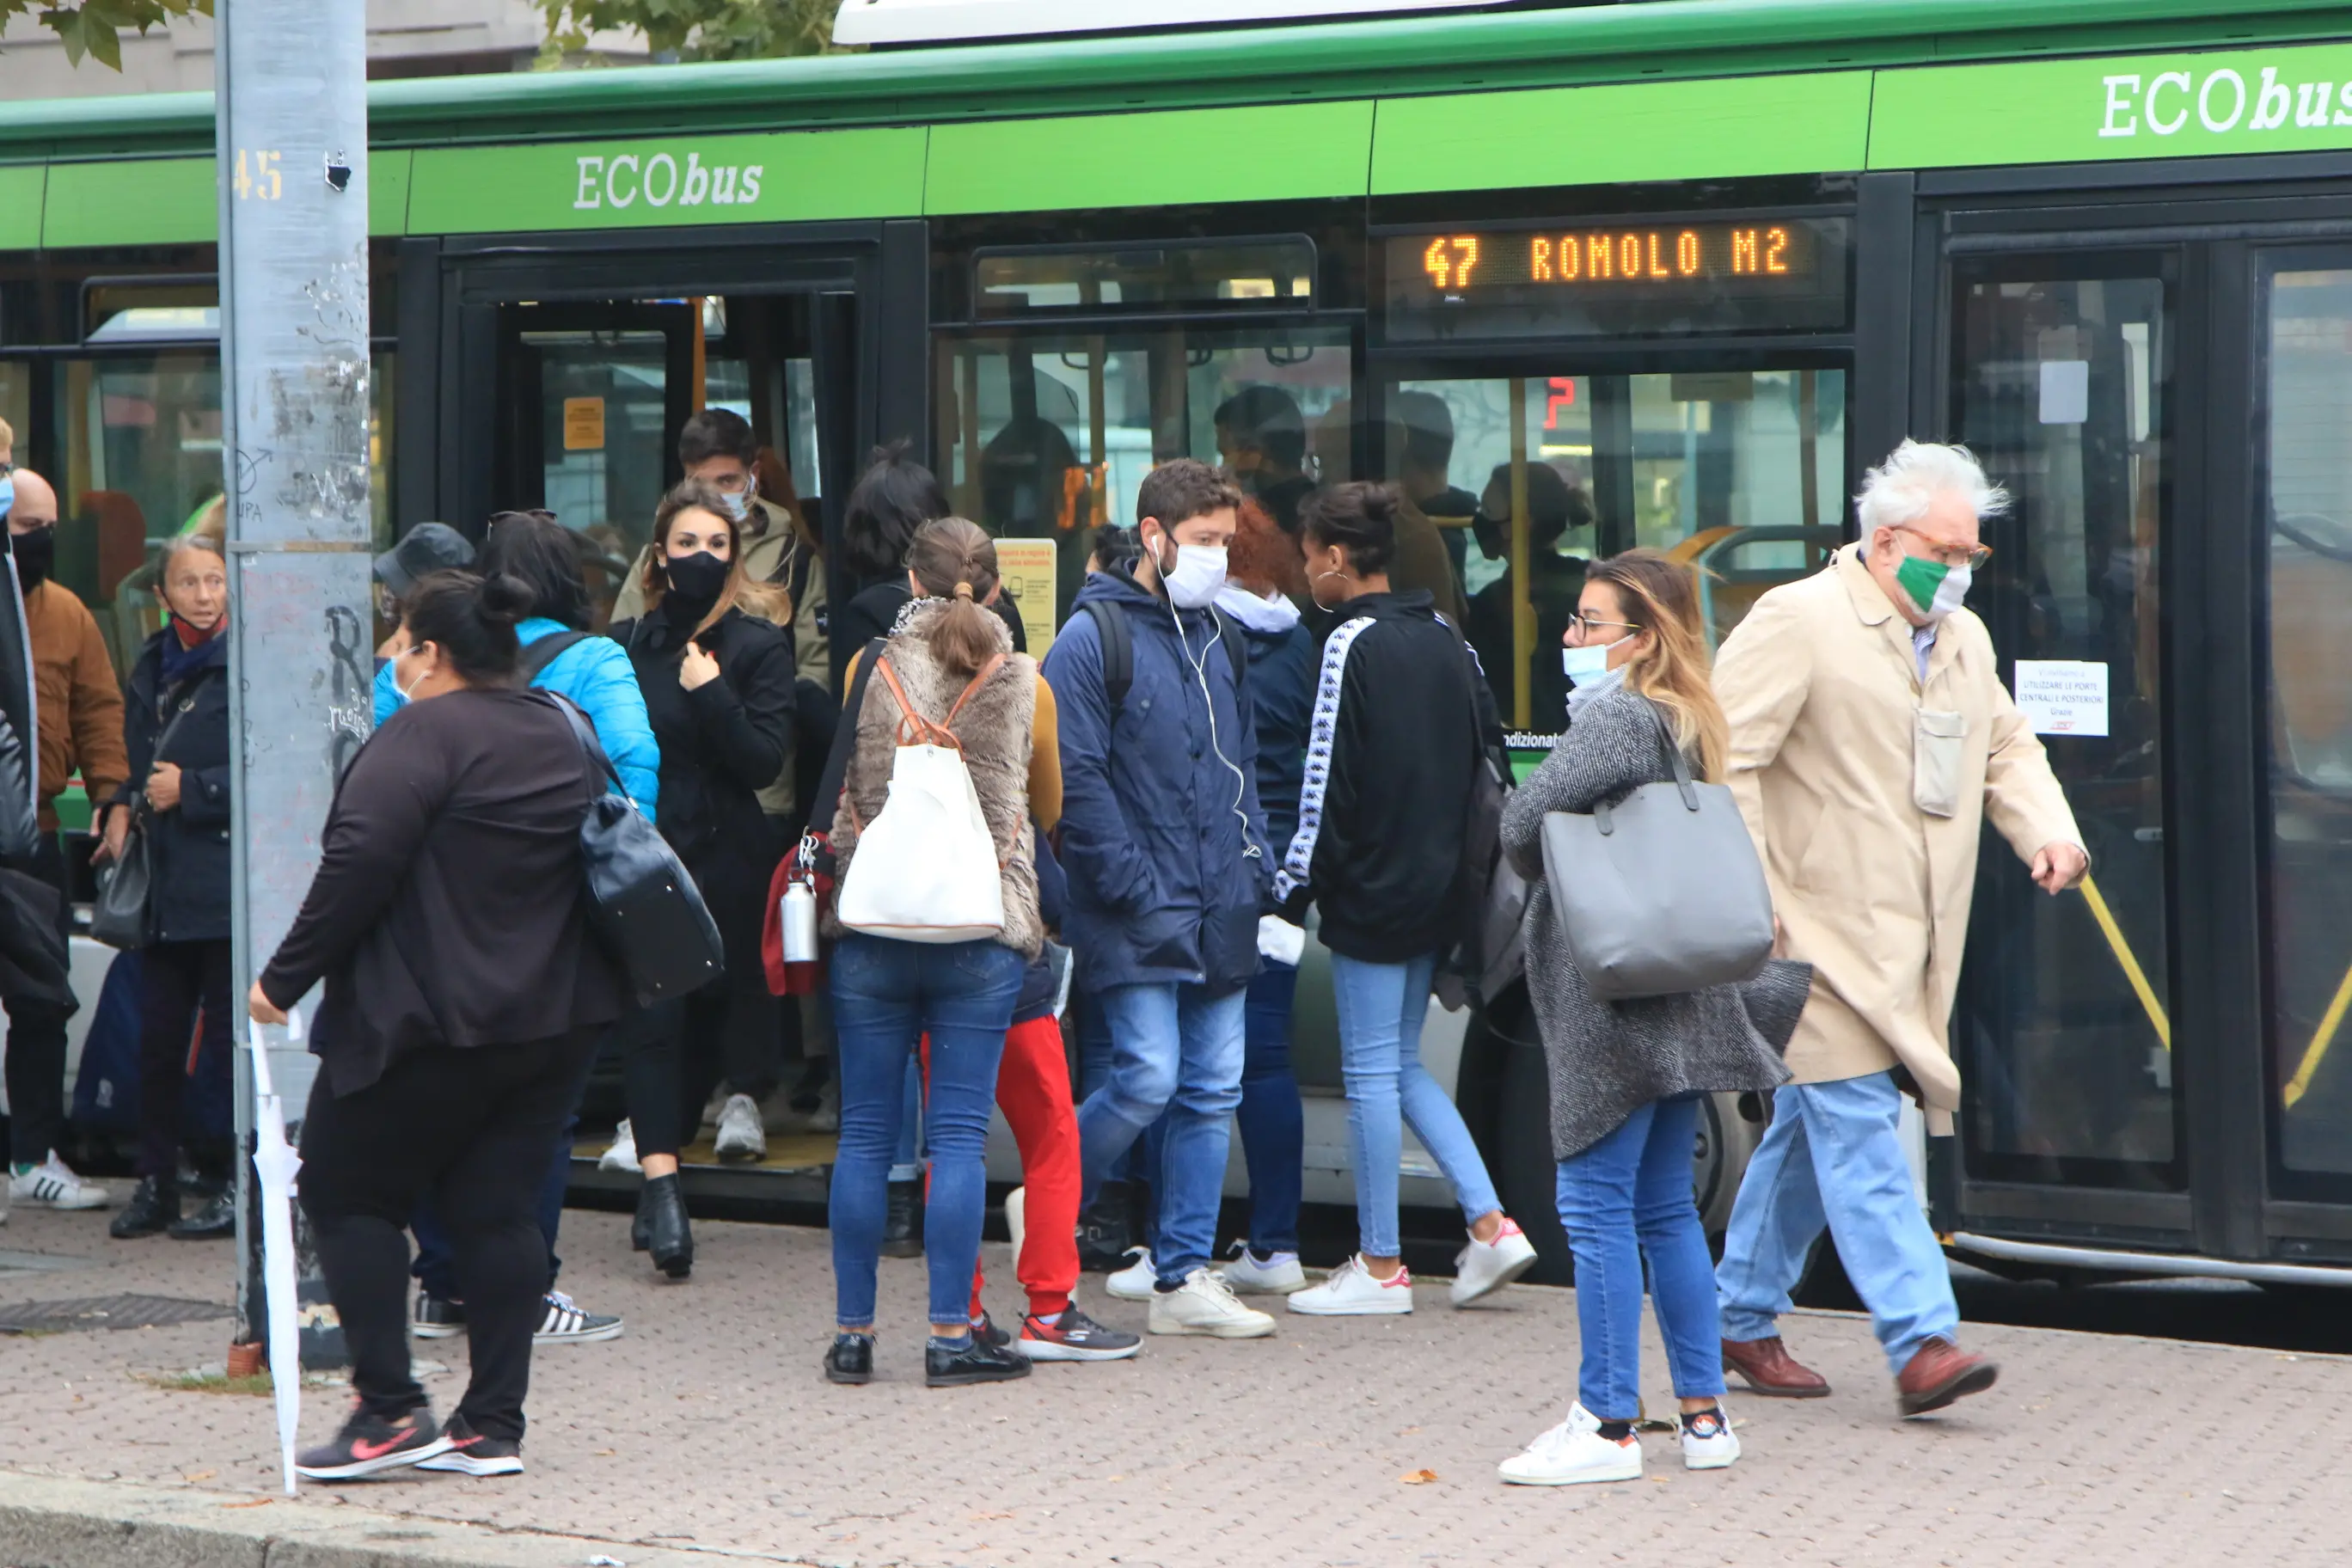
2062	378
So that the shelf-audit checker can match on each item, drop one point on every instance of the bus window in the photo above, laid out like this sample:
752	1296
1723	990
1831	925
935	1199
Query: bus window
17	406
1046	435
2062	385
1742	472
2309	393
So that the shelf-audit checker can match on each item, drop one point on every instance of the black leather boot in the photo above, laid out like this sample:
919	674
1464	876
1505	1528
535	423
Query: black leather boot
1105	1230
641	1229
152	1209
902	1229
216	1220
668	1236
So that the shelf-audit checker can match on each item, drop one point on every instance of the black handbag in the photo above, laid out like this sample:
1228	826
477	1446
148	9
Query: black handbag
118	915
642	903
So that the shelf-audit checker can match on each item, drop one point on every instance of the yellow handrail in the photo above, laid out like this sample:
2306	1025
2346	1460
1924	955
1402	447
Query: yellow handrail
2329	1023
2132	971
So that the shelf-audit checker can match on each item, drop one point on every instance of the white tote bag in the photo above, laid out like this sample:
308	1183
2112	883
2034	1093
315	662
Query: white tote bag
925	869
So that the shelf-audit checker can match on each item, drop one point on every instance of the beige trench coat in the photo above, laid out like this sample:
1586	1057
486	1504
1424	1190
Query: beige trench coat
1820	686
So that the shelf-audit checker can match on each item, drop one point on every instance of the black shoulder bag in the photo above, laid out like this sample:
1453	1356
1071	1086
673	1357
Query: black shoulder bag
118	916
642	903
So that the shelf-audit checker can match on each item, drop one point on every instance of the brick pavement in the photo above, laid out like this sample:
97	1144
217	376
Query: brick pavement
708	1426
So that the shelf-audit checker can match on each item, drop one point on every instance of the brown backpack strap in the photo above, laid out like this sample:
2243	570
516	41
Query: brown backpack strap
914	729
990	668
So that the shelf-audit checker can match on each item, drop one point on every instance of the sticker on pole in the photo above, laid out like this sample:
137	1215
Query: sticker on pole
2062	695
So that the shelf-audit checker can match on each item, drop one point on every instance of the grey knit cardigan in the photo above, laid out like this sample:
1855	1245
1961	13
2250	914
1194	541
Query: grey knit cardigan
1608	1059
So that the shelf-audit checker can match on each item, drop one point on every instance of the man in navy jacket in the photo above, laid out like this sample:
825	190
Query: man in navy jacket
1164	843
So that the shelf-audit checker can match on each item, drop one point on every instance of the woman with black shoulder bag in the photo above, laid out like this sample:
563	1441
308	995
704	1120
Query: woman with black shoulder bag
1627	1069
175	729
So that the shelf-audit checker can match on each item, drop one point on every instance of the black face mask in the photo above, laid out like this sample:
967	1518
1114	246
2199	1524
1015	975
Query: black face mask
696	582
36	554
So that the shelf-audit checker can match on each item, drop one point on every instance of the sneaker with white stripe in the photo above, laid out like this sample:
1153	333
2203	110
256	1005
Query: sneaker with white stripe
568	1323
50	1185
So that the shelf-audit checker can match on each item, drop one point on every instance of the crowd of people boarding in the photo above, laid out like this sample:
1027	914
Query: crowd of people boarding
970	871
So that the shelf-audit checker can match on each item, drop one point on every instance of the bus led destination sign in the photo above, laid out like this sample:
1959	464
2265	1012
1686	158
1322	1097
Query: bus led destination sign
1457	263
1641	277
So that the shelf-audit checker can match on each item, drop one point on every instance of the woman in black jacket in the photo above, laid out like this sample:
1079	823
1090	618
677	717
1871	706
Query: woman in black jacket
719	689
1391	752
175	729
464	997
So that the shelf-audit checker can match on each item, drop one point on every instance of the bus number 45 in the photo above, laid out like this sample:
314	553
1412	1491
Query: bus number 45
1449	260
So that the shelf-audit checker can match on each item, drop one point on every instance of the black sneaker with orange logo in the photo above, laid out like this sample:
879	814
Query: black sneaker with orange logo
368	1445
471	1454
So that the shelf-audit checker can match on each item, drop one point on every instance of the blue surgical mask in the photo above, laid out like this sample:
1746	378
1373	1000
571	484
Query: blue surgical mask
739	506
1583	666
7	494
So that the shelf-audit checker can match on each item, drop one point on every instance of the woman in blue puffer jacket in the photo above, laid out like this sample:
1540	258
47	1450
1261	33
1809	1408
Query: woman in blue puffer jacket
594	672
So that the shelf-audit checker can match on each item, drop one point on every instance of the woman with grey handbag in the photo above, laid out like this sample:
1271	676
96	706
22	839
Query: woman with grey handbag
175	729
1626	1075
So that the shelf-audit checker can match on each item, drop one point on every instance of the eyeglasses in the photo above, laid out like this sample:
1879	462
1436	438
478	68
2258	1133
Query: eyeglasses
1580	620
1953	554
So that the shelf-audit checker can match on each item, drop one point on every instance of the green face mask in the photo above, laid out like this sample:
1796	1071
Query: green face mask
1937	589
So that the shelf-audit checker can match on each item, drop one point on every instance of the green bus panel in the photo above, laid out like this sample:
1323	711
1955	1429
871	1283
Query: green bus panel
787	177
388	192
2147	106
1644	131
20	205
1166	158
133	201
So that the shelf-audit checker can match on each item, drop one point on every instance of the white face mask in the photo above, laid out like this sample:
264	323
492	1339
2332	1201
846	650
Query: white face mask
1199	572
1583	666
405	692
739	506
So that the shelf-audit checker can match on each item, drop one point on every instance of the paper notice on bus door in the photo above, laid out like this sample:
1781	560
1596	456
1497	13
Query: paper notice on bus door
2062	695
583	423
1026	568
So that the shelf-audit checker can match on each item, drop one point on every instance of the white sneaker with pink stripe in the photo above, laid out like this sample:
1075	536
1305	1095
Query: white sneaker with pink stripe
1351	1292
1484	1268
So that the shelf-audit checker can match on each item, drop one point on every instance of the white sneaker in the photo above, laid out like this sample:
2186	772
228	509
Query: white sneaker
1572	1453
1277	1275
1134	1282
568	1323
1016	1219
50	1185
1205	1304
742	1136
622	1154
1709	1443
1483	1267
1351	1292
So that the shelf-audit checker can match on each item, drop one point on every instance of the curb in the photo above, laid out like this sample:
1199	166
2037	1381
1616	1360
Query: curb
50	1521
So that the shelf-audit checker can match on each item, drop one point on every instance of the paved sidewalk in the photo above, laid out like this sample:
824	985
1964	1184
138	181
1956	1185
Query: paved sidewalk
707	1427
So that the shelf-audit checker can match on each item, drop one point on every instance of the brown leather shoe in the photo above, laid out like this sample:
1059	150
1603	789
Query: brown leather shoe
1939	1373
1772	1371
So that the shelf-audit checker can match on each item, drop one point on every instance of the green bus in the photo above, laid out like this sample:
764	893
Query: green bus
1668	274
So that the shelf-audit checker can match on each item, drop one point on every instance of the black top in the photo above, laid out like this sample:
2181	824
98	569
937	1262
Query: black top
448	906
722	742
1381	829
188	848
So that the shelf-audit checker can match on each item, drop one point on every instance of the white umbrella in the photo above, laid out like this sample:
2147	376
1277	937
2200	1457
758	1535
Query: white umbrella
276	1164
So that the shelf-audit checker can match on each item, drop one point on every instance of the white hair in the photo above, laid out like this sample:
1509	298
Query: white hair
1900	491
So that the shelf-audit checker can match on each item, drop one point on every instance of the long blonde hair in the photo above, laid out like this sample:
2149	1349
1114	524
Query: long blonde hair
1661	595
767	600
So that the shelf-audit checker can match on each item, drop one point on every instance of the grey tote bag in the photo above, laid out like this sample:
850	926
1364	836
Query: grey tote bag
1663	893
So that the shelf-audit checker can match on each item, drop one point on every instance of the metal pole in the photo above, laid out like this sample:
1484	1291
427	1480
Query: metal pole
290	120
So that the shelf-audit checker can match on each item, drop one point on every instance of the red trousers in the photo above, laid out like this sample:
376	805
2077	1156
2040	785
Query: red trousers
1033	1089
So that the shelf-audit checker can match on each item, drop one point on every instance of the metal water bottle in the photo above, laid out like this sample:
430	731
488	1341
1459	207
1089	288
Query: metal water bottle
799	919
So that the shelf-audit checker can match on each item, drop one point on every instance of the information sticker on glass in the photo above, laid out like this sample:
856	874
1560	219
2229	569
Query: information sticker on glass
1025	567
2062	695
583	423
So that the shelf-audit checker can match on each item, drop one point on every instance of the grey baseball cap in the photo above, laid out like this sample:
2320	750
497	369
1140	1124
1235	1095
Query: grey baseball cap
426	548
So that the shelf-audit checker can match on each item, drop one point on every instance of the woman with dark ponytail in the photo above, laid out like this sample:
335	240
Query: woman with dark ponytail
463	999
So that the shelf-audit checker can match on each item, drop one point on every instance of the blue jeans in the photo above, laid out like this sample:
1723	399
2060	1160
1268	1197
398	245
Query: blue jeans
1627	1199
1176	1048
1833	1156
907	1162
437	1258
1094	1070
1273	1126
887	994
1382	1006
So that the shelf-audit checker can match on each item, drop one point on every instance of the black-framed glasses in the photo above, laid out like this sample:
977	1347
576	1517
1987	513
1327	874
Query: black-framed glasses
1588	624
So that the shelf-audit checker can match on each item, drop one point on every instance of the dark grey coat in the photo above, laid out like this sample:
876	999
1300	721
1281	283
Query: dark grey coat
1608	1059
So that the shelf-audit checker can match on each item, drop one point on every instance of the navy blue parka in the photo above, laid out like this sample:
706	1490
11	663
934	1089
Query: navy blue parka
1162	837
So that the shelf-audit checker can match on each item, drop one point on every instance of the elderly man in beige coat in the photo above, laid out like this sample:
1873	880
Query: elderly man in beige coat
1871	737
